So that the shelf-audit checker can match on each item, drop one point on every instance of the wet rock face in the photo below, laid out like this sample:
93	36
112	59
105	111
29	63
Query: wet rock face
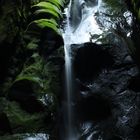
4	124
91	2
89	60
134	83
93	108
116	138
137	130
108	88
75	14
50	42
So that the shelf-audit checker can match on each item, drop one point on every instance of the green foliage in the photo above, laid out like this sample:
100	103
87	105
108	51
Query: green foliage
37	26
46	5
32	73
27	67
32	45
45	17
28	123
43	13
136	8
47	8
58	3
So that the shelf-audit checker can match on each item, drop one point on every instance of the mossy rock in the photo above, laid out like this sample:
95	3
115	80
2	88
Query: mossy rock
14	119
23	91
31	122
50	41
49	33
27	84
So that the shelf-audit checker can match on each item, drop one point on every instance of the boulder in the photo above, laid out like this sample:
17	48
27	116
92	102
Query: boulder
49	42
23	91
4	124
90	59
134	83
93	108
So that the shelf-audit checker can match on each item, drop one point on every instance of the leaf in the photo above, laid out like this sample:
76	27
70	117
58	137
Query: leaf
46	12
46	5
58	3
37	26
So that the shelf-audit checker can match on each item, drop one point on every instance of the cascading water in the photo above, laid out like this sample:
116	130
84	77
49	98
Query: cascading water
84	16
68	80
105	27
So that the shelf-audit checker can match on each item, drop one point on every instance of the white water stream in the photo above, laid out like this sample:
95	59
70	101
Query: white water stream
87	25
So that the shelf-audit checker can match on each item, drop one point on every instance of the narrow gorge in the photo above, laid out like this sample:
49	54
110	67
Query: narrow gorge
69	70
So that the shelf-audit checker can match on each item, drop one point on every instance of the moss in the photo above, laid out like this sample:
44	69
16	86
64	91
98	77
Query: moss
32	72
28	123
32	46
22	121
58	3
29	75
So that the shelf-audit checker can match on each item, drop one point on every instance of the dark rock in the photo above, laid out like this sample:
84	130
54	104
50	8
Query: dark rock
6	50
49	42
89	60
116	138
93	108
134	83
81	86
23	92
4	124
56	60
136	130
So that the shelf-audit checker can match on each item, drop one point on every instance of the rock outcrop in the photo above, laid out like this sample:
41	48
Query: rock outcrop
30	44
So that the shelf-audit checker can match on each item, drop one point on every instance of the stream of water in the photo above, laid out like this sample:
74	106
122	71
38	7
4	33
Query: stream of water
100	22
74	35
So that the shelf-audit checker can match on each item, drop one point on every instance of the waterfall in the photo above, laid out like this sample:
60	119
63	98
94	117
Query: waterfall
76	34
68	79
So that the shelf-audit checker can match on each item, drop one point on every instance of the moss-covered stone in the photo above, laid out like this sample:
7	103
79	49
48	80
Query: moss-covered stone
31	67
16	120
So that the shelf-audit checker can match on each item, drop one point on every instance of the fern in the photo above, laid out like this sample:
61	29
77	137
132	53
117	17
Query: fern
46	5
39	25
46	13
